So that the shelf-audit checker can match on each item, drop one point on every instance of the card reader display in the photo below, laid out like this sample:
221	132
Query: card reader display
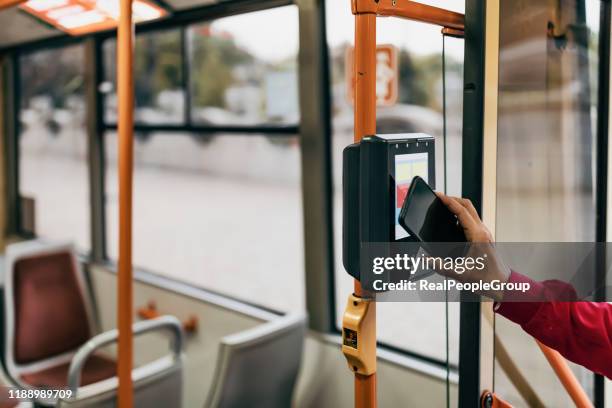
407	166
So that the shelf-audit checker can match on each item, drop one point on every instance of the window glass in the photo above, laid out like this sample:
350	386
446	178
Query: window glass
243	73
419	108
53	143
221	212
158	78
547	113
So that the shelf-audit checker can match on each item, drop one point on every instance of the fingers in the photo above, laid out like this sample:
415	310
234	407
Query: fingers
466	203
464	216
470	207
468	217
445	199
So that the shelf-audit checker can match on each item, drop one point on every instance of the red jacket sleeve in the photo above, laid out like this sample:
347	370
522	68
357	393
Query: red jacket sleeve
580	331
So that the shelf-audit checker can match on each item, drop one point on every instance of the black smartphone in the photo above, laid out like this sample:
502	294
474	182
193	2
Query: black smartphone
426	217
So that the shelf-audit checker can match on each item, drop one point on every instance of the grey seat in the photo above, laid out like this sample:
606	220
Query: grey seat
259	367
156	384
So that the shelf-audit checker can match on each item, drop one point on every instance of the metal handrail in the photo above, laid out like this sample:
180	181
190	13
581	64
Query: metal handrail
167	323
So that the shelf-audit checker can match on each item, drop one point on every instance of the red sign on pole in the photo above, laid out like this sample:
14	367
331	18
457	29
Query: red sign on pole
387	74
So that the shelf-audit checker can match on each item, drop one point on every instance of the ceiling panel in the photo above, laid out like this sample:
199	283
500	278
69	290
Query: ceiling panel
17	27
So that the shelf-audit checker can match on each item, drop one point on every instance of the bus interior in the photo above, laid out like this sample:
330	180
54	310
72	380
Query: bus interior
177	177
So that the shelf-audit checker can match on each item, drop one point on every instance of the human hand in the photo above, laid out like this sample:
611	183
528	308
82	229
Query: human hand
481	245
473	227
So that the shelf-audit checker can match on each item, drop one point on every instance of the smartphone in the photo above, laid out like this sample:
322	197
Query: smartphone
426	217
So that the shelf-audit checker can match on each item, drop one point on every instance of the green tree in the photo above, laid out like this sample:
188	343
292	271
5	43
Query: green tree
213	61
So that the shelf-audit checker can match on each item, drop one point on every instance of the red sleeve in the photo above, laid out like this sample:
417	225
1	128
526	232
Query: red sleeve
580	331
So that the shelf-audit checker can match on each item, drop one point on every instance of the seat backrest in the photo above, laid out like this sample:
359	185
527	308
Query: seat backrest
259	367
48	312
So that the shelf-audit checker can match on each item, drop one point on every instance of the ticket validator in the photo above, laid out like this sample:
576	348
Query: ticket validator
376	175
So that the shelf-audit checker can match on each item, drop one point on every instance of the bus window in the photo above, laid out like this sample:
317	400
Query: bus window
227	206
53	143
242	75
213	199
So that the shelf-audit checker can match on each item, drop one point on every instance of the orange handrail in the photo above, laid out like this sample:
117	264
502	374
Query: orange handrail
125	89
365	124
566	376
411	10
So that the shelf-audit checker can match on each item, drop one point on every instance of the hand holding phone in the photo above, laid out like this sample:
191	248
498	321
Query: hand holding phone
426	217
473	227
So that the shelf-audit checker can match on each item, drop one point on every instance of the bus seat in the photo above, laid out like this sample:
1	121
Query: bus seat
156	384
48	316
259	367
96	369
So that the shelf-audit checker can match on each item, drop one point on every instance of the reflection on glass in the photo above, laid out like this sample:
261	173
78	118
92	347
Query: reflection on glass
52	143
546	150
158	76
219	212
242	74
419	109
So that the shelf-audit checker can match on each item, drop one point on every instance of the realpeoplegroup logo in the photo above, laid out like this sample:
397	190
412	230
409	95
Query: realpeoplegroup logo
414	265
447	285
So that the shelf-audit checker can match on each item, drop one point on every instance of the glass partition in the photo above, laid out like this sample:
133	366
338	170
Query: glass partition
546	152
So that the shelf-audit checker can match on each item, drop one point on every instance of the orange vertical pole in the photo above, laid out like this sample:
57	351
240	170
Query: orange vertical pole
125	81
365	75
365	124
